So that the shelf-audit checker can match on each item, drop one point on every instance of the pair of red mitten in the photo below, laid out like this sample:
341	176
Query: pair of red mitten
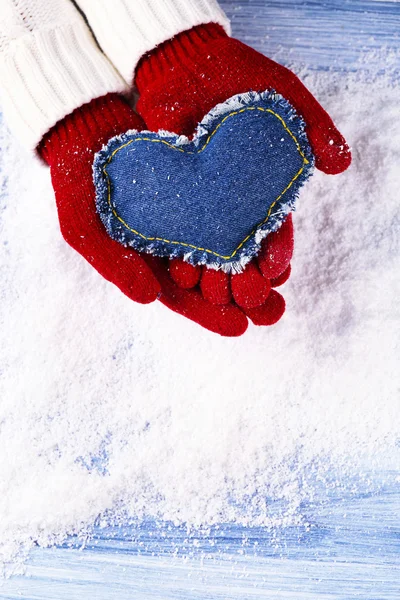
179	82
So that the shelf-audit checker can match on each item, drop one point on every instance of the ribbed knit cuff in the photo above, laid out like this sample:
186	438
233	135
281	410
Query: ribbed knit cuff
160	64
45	75
88	127
128	29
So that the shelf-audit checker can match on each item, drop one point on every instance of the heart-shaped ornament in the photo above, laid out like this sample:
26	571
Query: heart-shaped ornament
211	199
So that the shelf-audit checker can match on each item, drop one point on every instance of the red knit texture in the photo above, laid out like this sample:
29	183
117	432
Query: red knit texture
282	278
215	286
277	251
69	149
183	79
184	274
270	312
228	320
250	288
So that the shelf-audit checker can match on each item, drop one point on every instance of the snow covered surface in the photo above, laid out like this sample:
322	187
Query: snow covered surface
110	407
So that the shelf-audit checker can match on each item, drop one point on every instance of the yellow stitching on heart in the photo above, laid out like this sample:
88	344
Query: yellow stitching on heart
152	140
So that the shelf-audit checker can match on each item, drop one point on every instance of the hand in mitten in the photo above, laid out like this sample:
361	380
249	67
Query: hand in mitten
183	79
252	290
69	148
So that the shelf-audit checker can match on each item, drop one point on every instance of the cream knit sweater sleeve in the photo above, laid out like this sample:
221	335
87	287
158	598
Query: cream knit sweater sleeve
127	29
49	65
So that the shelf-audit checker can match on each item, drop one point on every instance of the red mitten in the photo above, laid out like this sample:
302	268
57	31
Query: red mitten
182	80
69	148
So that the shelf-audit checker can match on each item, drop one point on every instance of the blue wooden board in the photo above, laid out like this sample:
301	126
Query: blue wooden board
348	548
349	544
322	34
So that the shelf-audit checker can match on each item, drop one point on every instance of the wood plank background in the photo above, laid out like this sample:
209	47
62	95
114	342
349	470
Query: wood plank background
338	34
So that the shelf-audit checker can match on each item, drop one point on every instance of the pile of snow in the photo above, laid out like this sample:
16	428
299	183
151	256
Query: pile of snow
108	405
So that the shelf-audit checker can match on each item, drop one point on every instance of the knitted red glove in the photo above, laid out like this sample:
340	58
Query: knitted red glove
183	79
69	149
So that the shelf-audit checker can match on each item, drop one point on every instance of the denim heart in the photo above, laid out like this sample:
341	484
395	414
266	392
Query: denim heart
210	200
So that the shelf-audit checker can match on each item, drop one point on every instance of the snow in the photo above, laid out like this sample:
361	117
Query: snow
108	406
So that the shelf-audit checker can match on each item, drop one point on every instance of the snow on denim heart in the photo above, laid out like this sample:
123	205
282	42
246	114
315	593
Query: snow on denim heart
210	200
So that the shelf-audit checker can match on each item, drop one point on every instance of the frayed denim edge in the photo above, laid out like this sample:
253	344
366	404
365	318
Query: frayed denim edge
198	257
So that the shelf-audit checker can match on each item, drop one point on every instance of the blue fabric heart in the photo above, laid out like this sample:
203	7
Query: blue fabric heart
210	200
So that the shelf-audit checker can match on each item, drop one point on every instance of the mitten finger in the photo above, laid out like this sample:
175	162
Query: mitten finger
69	149
121	266
184	274
250	288
268	313
282	278
228	321
215	286
134	278
144	290
332	153
277	250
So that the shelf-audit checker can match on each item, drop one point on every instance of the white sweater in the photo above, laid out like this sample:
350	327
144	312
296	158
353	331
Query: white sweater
127	29
50	63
